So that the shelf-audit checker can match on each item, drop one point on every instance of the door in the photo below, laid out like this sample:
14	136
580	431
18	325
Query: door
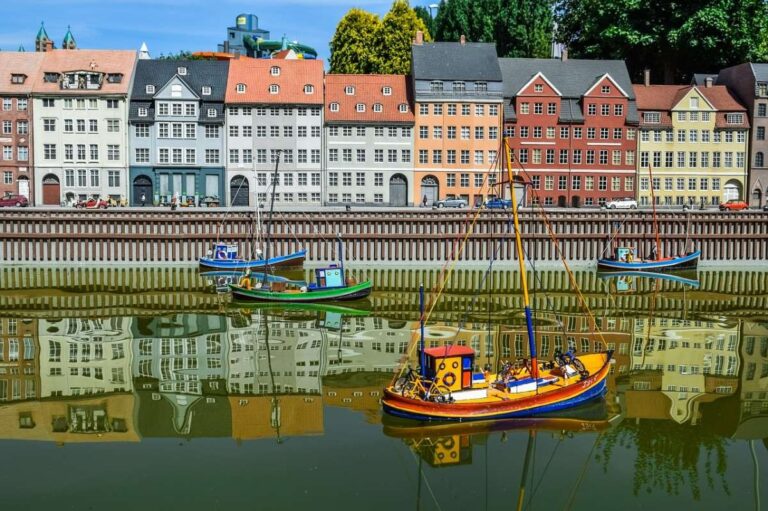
142	187
24	187
398	191
575	201
239	191
51	190
732	190
429	189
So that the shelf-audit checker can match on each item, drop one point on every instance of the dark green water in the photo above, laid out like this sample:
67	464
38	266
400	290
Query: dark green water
143	388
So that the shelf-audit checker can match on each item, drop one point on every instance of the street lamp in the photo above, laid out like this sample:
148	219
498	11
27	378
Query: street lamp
433	6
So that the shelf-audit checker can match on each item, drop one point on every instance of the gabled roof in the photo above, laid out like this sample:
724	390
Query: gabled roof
200	73
543	77
159	90
572	77
760	71
368	91
101	61
455	61
665	97
255	74
12	63
608	77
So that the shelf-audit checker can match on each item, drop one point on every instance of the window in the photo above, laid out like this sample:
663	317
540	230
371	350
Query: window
538	108
652	117
377	107
49	151
605	109
309	89
212	112
240	88
360	107
142	155
334	107
113	126
206	90
274	71
551	108
274	88
402	108
592	109
734	118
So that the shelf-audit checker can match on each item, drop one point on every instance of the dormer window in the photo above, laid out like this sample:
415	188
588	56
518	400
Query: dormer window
18	78
734	118
82	80
652	117
143	112
274	71
360	107
539	87
51	77
334	107
181	71
309	89
403	108
240	88
387	91
459	86
349	90
149	89
377	107
115	77
211	112
605	89
481	86
206	90
436	86
274	89
762	89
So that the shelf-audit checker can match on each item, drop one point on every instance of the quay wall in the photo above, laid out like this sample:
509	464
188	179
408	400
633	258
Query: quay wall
379	236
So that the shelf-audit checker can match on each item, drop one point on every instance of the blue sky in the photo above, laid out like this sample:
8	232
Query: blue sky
172	25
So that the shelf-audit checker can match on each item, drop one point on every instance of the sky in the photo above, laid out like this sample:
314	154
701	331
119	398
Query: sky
168	26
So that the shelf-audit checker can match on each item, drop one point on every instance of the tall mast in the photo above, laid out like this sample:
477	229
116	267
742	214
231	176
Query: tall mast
521	262
269	218
653	203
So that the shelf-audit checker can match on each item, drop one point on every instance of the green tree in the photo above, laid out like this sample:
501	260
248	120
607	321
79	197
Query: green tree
673	39
353	48
425	16
452	20
395	37
181	55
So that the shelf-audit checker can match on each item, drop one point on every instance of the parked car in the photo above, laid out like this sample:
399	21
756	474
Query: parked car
450	202
498	203
12	199
765	208
92	203
625	203
733	205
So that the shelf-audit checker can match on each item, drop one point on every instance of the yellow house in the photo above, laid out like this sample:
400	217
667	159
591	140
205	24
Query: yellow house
692	145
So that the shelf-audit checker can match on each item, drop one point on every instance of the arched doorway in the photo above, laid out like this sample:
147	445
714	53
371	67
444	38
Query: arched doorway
398	190
239	191
757	198
430	188
562	201
51	190
23	183
575	201
142	187
732	190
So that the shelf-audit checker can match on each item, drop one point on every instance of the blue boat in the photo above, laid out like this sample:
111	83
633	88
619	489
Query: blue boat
225	257
625	260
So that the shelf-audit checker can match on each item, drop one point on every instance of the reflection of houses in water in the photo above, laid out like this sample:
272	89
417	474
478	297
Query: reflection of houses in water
18	359
280	416
367	344
176	360
85	356
686	363
754	381
88	419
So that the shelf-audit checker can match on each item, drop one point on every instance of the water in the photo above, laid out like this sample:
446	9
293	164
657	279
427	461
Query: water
127	388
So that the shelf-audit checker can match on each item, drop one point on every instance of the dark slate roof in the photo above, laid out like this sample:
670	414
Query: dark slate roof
204	119
760	71
133	111
199	73
701	78
572	77
456	61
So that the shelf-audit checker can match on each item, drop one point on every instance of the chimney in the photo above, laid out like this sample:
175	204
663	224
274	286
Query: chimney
564	54
462	40
419	39
646	77
708	82
48	45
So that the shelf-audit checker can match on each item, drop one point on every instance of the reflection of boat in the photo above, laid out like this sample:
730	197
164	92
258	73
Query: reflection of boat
624	280
221	279
331	284
355	308
447	388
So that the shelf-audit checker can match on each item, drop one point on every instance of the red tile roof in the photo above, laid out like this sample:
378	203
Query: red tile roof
102	61
368	91
25	63
662	98
256	75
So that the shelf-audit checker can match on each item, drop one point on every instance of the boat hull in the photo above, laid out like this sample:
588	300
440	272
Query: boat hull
687	262
355	292
568	396
287	261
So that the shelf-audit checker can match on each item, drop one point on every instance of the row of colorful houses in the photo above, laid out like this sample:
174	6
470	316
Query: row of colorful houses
80	123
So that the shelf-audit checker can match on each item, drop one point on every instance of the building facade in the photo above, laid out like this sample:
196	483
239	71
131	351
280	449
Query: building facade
458	104
368	140
19	369
571	125
177	132
749	82
692	145
18	71
274	109
80	107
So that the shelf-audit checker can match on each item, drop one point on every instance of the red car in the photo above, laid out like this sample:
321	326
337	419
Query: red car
734	205
12	199
92	203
